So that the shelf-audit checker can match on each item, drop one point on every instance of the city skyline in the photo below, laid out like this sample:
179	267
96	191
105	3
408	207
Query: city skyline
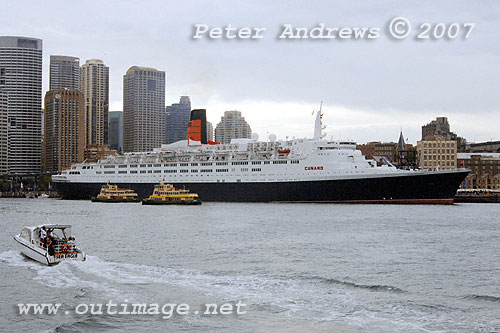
370	89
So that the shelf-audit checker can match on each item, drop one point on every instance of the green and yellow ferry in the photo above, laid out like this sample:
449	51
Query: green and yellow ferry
112	193
167	194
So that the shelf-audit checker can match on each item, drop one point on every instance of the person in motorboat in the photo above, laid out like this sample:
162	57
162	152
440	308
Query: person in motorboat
50	246
71	243
43	235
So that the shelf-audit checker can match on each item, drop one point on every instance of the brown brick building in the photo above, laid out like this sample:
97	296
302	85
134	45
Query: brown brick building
485	170
96	152
441	128
376	148
64	130
437	152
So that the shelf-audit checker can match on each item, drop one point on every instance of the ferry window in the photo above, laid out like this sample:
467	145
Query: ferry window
133	165
194	170
244	169
143	171
184	164
122	171
108	166
150	171
266	162
183	171
108	172
150	165
122	166
133	171
157	171
256	169
143	165
98	172
194	164
157	165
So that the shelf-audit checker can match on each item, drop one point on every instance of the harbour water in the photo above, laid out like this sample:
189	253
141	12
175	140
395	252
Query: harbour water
297	267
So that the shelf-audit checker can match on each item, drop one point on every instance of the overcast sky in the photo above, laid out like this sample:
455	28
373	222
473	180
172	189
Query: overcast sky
370	88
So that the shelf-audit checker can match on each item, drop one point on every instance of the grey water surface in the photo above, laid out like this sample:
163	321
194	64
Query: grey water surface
296	267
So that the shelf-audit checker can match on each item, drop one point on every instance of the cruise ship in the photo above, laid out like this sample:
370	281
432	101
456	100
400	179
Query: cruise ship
248	170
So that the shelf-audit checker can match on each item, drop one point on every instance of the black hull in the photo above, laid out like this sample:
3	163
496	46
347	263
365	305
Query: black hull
433	187
476	199
93	199
157	202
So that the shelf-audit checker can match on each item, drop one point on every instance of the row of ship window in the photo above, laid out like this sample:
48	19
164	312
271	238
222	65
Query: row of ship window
157	165
173	171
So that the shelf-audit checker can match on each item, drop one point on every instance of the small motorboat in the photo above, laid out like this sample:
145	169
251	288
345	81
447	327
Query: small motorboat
58	246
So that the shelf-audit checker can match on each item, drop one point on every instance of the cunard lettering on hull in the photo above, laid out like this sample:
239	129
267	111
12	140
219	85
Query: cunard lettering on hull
309	168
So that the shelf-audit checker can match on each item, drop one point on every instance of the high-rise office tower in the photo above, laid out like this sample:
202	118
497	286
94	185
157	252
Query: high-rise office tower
116	130
177	119
94	84
232	126
143	109
64	72
21	81
65	127
210	131
4	134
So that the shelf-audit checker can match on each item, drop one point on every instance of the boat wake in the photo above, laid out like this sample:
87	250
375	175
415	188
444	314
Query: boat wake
62	275
374	287
487	298
317	299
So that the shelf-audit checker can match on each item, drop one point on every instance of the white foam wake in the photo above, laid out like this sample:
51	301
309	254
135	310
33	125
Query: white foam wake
299	298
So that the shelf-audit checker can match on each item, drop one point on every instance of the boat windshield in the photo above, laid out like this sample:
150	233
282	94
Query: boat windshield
60	233
26	234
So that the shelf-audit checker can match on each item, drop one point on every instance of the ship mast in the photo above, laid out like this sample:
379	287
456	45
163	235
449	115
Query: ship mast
318	125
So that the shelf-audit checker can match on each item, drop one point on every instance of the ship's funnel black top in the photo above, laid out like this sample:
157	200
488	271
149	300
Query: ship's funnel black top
201	114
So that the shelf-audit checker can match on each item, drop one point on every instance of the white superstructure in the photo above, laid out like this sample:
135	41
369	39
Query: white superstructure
243	160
